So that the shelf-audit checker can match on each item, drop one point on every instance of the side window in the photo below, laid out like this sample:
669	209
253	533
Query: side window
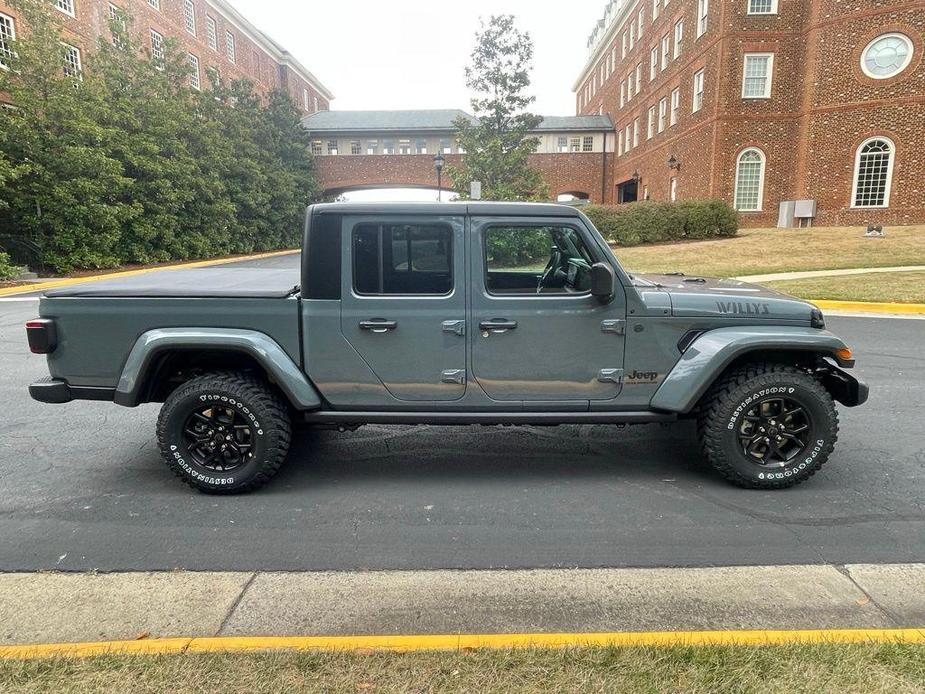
402	259
536	260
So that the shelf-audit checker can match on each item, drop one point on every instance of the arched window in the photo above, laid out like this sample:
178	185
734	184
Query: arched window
749	191
873	172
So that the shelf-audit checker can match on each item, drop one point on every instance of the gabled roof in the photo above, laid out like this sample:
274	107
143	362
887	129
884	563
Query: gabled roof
432	120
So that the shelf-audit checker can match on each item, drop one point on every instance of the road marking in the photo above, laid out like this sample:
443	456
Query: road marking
452	642
68	281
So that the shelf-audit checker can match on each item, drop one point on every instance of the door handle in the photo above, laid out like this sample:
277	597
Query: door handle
378	325
498	325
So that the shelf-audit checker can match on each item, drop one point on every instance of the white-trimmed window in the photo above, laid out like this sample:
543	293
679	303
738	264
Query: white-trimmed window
653	63
620	143
678	37
887	55
562	145
698	92
628	140
666	50
189	16
749	188
157	47
641	19
194	80
656	8
675	105
574	144
7	37
117	18
622	93
703	9
420	146
332	147
762	6
156	4
211	35
316	104
629	86
72	66
650	125
757	73
372	146
624	44
674	189
632	35
229	47
635	132
638	78
873	173
306	102
662	112
587	143
66	6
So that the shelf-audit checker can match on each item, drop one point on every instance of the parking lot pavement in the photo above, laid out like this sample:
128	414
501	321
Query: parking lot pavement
82	487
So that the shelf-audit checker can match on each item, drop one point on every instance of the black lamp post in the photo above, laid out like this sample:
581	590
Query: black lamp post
438	165
636	177
673	163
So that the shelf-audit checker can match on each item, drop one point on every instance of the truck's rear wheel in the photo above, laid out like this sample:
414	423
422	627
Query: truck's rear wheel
224	433
768	426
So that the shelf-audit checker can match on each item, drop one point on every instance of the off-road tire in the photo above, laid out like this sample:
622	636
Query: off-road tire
729	399
253	399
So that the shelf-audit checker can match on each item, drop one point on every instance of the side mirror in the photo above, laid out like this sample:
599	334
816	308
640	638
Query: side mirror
602	281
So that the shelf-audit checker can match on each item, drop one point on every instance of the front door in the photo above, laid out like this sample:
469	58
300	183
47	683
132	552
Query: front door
403	304
538	333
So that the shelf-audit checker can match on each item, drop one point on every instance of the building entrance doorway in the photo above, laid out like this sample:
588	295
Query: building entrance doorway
628	191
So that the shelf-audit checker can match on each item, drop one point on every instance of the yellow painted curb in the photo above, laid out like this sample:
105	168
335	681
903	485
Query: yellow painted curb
452	642
67	281
869	306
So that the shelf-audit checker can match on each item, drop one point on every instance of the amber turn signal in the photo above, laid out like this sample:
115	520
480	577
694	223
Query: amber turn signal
844	354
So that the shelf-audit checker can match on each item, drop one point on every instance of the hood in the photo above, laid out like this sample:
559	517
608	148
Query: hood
709	296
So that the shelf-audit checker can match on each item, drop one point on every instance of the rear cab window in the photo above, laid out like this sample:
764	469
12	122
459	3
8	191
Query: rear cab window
400	259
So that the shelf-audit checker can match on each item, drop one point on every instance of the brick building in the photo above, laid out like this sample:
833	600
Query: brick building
212	33
764	101
377	149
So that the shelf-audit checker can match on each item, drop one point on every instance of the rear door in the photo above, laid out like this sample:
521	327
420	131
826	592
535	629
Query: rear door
403	305
538	333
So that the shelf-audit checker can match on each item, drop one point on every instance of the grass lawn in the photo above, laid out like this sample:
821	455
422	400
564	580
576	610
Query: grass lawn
805	668
762	251
904	287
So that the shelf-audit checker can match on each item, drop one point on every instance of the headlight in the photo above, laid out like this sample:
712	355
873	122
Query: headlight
816	319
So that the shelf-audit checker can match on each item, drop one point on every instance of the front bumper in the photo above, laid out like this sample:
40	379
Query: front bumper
844	387
58	391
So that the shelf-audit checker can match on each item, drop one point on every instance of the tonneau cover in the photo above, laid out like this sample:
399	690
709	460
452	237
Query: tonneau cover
196	283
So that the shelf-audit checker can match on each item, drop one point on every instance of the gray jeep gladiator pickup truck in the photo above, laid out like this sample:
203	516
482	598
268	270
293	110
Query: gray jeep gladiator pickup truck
448	313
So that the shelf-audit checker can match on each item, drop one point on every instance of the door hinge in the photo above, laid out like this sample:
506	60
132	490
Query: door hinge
614	325
457	327
453	376
610	376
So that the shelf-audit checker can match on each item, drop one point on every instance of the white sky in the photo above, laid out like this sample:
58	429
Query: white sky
402	54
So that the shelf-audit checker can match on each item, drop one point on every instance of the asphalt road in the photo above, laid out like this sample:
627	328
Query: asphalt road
82	487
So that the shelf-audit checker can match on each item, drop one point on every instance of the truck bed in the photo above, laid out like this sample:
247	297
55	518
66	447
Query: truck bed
215	282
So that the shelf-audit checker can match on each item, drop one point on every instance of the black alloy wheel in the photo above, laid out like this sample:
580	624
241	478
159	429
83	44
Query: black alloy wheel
775	431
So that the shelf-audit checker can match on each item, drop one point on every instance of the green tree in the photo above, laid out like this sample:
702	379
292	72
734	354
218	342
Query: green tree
498	144
129	163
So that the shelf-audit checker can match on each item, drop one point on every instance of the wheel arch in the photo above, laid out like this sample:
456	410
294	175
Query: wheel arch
717	351
156	363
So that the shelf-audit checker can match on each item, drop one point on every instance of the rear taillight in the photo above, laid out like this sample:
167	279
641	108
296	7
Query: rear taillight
43	337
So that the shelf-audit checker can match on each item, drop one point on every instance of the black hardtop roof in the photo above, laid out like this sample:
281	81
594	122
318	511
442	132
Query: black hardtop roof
519	209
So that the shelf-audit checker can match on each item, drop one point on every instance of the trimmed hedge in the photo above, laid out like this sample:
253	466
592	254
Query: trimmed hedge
655	222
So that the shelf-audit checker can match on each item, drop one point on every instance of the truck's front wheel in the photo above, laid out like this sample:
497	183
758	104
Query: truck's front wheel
224	433
768	426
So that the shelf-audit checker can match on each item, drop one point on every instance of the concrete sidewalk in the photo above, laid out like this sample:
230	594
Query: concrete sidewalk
806	274
66	607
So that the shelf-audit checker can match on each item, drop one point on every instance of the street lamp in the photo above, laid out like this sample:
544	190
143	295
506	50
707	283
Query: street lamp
438	165
636	177
673	163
